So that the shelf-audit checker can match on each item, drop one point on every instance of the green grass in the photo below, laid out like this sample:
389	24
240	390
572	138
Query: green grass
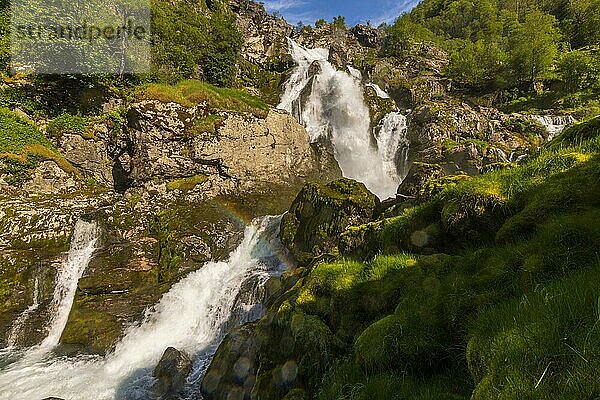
16	133
67	123
191	92
543	345
23	146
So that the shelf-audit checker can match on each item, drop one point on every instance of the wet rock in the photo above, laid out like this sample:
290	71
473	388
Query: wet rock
170	373
48	177
418	175
321	212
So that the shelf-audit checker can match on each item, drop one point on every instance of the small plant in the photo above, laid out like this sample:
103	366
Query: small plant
67	124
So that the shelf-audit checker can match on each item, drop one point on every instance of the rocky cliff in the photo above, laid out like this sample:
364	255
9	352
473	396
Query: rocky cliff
172	185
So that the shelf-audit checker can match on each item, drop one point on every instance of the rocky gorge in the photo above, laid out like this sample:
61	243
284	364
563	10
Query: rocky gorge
407	208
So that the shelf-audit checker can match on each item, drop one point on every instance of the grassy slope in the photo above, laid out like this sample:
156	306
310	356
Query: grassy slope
191	92
511	313
22	146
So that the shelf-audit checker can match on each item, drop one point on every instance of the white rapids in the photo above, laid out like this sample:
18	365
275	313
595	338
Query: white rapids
554	124
193	317
330	104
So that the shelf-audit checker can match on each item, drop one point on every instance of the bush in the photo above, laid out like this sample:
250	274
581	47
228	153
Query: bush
67	123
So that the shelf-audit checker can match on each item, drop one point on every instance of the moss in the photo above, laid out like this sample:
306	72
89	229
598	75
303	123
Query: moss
186	184
208	124
93	330
191	92
320	213
67	123
17	133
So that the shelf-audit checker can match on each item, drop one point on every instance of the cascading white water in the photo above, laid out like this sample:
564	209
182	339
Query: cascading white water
17	326
378	91
330	104
554	124
192	316
393	145
83	245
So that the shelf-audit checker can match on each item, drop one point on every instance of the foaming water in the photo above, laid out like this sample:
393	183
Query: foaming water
16	327
554	124
330	104
193	317
393	145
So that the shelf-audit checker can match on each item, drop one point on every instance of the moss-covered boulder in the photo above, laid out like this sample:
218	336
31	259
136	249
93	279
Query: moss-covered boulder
321	212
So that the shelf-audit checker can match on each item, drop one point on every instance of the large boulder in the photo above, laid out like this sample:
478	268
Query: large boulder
170	374
321	212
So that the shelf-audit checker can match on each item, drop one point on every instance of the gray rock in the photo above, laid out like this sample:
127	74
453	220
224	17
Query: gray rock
170	373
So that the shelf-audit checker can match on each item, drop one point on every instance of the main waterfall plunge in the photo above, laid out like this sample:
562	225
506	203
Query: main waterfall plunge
193	316
330	104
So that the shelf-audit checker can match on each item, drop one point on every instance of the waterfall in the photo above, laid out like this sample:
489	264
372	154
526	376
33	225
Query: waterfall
193	317
393	145
83	245
330	104
16	327
554	124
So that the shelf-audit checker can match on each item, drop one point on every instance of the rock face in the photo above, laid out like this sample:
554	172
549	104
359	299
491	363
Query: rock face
264	34
320	213
170	374
462	139
170	194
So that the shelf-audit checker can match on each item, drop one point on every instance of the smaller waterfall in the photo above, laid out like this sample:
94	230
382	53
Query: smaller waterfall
554	124
17	326
393	145
355	73
378	91
83	245
193	316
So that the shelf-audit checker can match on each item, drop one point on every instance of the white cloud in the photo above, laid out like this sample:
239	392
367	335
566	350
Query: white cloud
281	5
393	11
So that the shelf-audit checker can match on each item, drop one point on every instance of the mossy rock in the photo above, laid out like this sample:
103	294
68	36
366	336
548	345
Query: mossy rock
90	329
321	212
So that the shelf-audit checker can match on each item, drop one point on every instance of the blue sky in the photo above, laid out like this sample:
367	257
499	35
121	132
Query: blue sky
355	11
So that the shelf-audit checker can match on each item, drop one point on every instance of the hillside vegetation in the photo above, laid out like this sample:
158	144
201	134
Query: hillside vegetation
489	290
512	46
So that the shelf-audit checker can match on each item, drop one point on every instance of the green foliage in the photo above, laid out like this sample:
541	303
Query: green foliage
320	23
16	133
403	34
478	64
191	92
579	70
339	22
67	123
502	44
190	42
533	46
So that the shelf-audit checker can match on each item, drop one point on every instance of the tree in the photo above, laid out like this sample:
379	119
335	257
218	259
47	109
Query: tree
579	70
478	64
339	22
403	33
533	46
320	23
